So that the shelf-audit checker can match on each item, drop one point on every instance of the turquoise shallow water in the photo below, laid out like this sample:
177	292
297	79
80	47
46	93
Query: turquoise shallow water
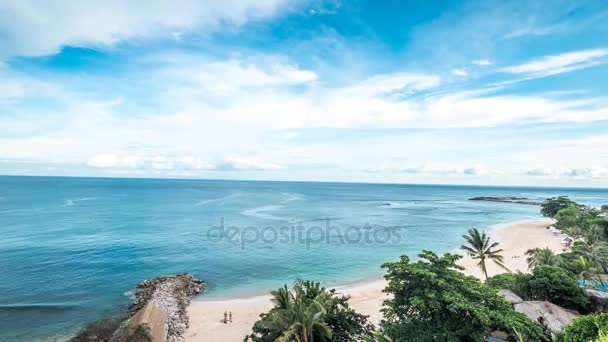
73	248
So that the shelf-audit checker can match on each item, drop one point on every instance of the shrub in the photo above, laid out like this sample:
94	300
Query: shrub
585	328
430	300
97	331
552	205
554	284
504	281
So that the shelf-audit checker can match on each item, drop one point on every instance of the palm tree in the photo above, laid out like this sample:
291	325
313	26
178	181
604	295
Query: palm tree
594	251
586	268
541	257
281	297
479	247
296	316
303	321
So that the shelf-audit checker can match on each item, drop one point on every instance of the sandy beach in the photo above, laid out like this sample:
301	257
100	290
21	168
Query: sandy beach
206	315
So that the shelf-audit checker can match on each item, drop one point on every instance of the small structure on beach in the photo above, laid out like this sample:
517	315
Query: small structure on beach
511	297
554	317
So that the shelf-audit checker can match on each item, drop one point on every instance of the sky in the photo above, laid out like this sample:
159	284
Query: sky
446	92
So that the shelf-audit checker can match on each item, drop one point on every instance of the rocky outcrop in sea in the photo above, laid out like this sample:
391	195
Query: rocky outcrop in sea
172	295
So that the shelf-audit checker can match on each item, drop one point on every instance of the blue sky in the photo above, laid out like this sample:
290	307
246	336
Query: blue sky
459	92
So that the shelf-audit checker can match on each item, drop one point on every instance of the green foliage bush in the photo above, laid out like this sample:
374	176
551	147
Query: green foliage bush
552	205
344	323
585	328
502	281
554	284
430	300
103	330
97	331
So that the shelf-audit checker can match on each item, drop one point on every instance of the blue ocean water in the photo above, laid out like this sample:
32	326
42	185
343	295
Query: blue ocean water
72	249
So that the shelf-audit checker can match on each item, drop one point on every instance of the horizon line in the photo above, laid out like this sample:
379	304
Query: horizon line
564	187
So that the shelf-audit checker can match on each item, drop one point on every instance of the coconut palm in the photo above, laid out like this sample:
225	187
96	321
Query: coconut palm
541	257
586	269
281	297
303	319
480	248
595	252
299	313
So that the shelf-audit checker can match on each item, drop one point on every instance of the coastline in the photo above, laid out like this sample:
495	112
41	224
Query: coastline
366	297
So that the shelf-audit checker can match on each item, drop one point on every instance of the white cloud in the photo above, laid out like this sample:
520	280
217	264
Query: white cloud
437	169
112	161
481	62
36	28
179	163
556	64
239	163
587	173
459	72
535	31
189	126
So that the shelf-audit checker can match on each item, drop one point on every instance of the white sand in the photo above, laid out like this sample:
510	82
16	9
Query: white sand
366	298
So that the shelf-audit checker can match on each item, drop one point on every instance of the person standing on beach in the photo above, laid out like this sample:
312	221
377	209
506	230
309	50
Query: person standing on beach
225	317
230	315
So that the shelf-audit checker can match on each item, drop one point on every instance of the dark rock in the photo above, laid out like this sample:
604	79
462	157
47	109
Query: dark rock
518	200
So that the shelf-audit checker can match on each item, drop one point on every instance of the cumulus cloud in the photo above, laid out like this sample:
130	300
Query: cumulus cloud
557	64
35	28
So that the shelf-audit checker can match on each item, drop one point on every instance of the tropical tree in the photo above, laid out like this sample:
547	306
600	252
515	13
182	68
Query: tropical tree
303	321
594	251
480	248
552	205
587	270
568	218
431	300
309	313
541	257
554	284
586	328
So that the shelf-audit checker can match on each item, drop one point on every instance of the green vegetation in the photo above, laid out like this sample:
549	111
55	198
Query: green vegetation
585	328
97	331
432	301
479	248
308	312
104	329
552	205
541	257
554	284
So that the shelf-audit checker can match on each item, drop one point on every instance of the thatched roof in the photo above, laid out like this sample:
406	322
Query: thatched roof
555	317
510	296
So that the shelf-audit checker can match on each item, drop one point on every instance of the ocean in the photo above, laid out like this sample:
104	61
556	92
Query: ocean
73	249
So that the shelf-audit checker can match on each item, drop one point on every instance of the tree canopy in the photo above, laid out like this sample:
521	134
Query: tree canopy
310	312
430	300
552	205
553	284
585	328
